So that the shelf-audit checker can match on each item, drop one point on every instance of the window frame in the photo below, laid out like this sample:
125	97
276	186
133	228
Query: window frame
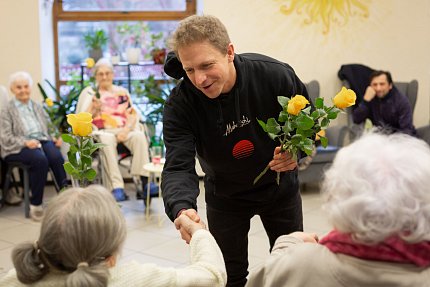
59	15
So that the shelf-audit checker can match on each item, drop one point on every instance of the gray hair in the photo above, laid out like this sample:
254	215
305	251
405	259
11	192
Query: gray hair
80	230
195	28
17	76
378	187
103	62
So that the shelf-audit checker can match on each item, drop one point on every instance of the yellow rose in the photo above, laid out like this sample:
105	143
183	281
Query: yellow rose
81	123
49	102
296	104
319	134
90	62
345	98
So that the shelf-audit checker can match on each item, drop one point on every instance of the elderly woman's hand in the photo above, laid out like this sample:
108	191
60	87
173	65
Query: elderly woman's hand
122	135
32	144
58	142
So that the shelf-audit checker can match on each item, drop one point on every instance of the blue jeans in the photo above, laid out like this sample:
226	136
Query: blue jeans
40	160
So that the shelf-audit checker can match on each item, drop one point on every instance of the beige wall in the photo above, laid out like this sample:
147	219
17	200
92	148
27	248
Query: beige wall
20	40
395	37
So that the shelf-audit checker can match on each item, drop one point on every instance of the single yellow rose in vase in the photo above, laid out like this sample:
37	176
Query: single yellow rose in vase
90	62
49	102
345	98
296	104
82	123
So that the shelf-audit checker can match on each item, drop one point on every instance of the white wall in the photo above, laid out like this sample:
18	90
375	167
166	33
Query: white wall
395	37
20	40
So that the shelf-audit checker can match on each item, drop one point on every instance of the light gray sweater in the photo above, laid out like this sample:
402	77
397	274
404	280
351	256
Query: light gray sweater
12	129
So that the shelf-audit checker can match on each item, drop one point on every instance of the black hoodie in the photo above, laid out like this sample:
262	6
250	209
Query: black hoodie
231	146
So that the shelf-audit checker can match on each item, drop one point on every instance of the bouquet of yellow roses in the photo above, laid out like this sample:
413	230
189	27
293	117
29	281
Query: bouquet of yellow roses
298	126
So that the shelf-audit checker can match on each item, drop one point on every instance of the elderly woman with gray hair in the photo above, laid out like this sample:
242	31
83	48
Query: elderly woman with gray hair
377	198
81	238
24	137
117	122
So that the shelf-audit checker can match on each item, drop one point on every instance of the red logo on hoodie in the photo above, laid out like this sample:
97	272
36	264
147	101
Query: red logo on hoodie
243	149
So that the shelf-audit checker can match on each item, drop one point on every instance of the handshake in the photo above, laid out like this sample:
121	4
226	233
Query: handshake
187	223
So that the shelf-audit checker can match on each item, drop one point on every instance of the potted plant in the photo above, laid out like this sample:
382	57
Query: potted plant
156	93
133	36
95	41
158	52
61	106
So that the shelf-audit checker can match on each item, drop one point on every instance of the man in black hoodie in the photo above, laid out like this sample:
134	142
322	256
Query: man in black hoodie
212	113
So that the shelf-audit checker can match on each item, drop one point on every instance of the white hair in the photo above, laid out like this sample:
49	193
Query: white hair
379	186
103	62
79	226
17	76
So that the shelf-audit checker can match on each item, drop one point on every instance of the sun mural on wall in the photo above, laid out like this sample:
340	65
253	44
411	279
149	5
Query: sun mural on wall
326	12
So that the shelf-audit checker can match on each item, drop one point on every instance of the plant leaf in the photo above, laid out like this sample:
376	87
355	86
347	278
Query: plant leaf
90	174
262	124
283	101
283	116
69	139
304	122
319	103
70	169
272	126
324	141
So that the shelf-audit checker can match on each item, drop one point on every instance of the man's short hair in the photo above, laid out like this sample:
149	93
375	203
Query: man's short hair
379	73
196	29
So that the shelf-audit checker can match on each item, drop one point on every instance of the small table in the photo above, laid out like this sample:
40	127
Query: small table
154	171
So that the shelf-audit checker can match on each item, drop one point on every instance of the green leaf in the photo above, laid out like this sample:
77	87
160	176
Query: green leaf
86	160
307	110
319	103
305	122
288	127
308	149
324	123
262	124
272	126
272	136
69	139
90	174
283	116
332	115
72	158
296	139
42	91
70	169
324	141
283	101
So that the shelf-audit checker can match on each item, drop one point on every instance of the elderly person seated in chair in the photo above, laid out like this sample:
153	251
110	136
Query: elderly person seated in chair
377	198
24	138
117	122
385	106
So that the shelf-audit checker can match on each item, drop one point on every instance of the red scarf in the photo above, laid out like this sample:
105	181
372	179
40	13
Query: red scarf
392	249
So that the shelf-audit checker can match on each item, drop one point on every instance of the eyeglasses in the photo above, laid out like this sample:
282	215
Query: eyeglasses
101	74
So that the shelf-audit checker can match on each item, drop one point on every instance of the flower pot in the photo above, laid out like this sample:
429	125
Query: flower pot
96	54
133	55
158	56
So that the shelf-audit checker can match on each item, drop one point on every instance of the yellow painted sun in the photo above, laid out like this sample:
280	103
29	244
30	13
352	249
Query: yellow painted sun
327	11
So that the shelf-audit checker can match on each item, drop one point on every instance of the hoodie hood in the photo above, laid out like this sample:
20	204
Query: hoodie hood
173	67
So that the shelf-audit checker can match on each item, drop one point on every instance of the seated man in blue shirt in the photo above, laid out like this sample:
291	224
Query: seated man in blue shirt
385	106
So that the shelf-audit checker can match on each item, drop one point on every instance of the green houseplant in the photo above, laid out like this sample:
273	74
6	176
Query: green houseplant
95	42
60	106
156	92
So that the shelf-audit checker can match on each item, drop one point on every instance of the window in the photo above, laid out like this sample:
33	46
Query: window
126	24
